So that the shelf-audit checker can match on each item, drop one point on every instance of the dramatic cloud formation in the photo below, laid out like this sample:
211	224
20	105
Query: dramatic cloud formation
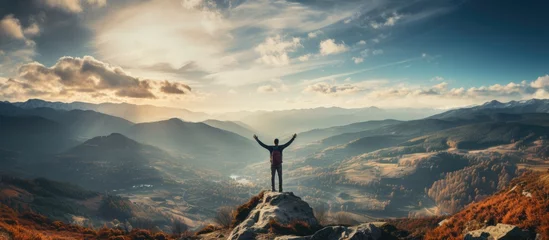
10	27
329	46
84	76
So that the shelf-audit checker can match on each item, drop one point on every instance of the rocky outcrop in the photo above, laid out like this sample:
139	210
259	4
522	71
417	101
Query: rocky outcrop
500	232
370	231
282	208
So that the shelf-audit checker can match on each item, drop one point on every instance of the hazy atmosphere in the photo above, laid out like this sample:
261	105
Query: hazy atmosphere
274	119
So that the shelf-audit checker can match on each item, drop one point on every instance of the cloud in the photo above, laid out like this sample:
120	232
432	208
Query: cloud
357	60
361	42
86	75
267	89
329	46
174	88
367	52
10	27
305	57
66	5
32	30
314	34
16	43
274	50
437	79
73	6
330	89
388	21
85	78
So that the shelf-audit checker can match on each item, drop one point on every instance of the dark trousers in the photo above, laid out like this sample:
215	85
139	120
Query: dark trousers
279	170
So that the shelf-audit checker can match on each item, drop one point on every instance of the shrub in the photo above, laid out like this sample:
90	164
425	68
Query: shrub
244	210
178	227
142	223
344	218
299	228
207	229
224	216
321	214
115	207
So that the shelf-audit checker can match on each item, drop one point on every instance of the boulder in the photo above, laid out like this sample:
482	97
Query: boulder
499	232
284	208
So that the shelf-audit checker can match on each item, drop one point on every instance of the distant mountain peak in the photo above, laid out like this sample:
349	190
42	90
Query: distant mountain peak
113	141
493	103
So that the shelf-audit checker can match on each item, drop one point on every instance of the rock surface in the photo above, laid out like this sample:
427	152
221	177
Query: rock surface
368	231
499	232
284	208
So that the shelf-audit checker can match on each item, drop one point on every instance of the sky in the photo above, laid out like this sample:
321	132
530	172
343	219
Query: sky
232	55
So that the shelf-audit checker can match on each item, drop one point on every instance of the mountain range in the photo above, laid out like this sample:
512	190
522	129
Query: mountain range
386	168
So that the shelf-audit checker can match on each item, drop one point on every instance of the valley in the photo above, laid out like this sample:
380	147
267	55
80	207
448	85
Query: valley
173	169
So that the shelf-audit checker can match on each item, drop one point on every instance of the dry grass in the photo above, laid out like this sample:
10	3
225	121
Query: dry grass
207	229
509	206
321	214
30	226
299	228
344	218
224	216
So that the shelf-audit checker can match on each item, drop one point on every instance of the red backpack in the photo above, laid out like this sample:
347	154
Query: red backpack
276	157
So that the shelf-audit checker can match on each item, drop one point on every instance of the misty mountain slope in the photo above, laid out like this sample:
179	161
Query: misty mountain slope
210	147
512	107
82	124
230	126
406	130
478	136
33	135
360	146
318	134
112	162
131	112
277	123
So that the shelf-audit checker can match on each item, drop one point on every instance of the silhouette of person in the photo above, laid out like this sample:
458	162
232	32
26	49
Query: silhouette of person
276	159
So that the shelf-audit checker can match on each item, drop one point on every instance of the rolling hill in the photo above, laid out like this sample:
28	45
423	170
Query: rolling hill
210	147
235	127
33	135
114	162
319	134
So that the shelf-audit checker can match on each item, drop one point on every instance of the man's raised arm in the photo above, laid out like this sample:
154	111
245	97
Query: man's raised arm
289	142
260	143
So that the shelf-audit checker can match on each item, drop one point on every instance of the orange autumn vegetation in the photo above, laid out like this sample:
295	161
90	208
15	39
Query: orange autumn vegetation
37	227
243	210
415	227
525	203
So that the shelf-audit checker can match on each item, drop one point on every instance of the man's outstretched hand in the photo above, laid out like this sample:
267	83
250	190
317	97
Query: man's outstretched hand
255	137
295	135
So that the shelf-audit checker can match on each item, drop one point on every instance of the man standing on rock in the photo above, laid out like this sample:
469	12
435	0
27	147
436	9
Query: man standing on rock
276	159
